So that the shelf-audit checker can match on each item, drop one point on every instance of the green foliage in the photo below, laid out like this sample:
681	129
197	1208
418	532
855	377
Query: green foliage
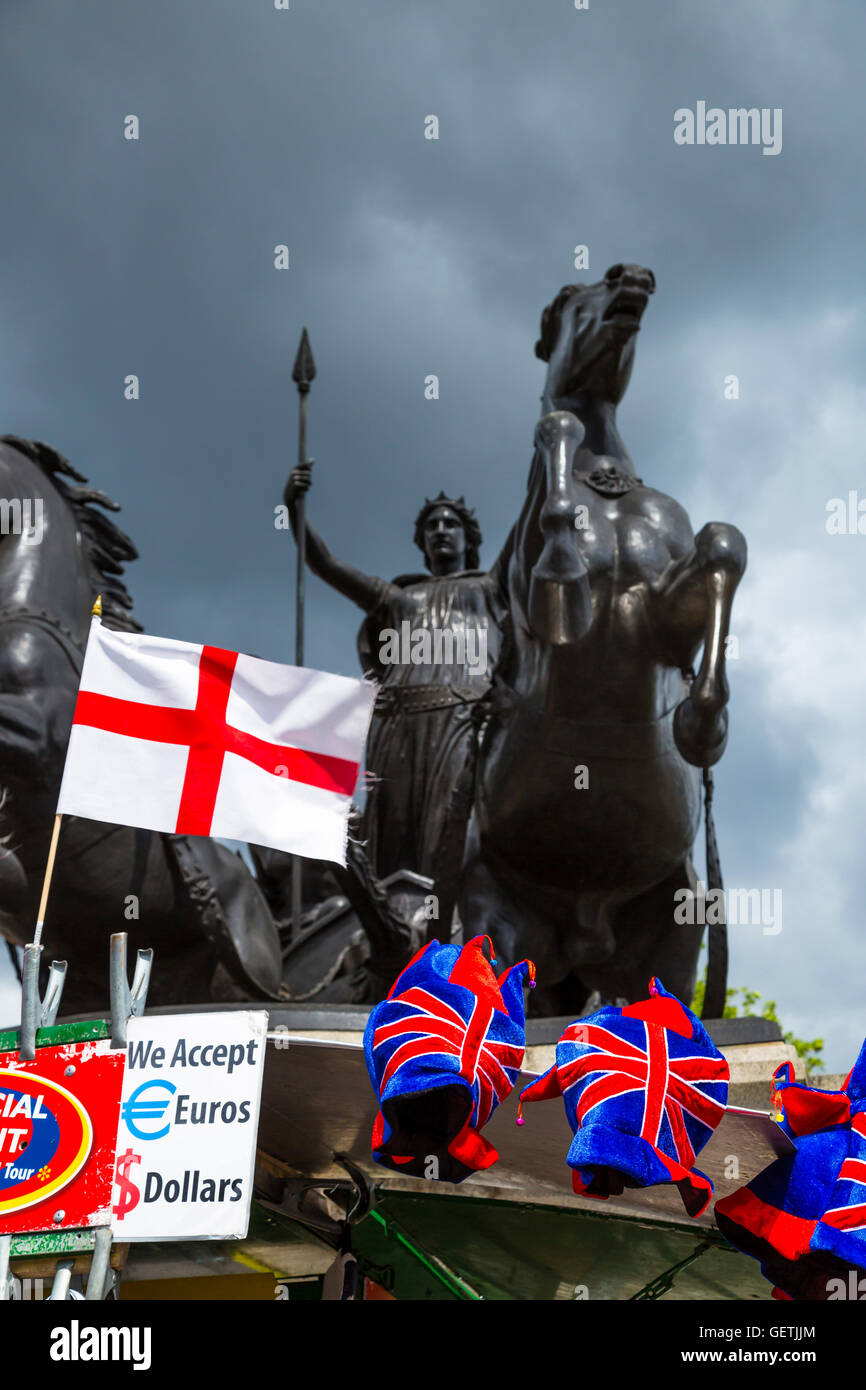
810	1049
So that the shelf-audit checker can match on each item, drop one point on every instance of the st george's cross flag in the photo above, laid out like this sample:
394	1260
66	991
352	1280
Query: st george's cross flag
195	740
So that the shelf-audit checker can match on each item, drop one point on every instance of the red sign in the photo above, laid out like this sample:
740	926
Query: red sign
58	1130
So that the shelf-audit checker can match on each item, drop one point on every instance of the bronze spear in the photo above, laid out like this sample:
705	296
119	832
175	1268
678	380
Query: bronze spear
303	373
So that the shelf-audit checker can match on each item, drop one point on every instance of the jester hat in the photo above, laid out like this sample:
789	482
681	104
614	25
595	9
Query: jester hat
644	1087
443	1051
804	1217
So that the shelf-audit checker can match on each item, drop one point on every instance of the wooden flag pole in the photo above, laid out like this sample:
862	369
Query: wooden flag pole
55	836
46	882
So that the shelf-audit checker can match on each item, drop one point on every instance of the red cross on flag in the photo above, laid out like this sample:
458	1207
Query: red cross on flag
178	737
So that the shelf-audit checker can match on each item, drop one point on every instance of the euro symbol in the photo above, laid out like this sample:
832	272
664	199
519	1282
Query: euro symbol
137	1109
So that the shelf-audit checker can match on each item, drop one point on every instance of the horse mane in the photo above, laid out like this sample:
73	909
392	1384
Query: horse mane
107	549
550	321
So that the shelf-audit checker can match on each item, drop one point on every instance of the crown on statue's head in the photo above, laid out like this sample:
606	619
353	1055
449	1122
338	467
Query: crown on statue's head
468	520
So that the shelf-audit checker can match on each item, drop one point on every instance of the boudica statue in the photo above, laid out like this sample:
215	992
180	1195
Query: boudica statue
536	750
579	802
432	641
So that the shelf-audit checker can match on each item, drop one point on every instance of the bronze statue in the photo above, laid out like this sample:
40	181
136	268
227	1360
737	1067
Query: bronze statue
189	897
536	750
432	641
588	782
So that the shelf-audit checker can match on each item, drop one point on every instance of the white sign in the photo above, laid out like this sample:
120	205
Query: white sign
189	1116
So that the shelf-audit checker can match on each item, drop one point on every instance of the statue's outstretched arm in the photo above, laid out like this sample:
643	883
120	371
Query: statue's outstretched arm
364	589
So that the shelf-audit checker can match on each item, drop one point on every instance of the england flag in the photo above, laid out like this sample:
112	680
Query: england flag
178	737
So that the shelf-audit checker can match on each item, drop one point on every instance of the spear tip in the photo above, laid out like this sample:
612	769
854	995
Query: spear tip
304	369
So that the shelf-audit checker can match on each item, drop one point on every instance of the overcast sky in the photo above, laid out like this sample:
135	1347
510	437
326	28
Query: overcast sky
411	256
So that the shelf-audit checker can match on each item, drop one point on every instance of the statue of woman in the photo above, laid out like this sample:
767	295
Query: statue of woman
432	641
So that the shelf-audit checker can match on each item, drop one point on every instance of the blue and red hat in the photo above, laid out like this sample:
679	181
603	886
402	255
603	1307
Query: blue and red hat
443	1051
644	1087
804	1217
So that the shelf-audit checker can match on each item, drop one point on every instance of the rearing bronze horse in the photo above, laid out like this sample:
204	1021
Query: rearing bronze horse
588	789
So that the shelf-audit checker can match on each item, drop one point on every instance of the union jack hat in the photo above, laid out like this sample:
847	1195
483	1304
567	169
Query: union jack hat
644	1087
804	1217
443	1050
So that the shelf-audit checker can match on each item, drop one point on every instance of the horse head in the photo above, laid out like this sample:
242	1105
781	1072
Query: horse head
588	335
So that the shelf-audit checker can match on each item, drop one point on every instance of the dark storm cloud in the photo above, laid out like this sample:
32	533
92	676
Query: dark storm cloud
411	257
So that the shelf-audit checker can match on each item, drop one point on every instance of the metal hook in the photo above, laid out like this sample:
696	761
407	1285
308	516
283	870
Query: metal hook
127	1003
363	1203
35	1012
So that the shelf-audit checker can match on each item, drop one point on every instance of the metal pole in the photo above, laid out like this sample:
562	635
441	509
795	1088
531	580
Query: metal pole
6	1285
100	1266
38	1013
126	1002
62	1279
303	373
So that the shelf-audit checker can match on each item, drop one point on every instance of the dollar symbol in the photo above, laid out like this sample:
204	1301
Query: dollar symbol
129	1195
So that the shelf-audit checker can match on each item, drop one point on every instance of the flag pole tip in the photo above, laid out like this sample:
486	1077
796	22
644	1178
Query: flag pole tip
96	611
